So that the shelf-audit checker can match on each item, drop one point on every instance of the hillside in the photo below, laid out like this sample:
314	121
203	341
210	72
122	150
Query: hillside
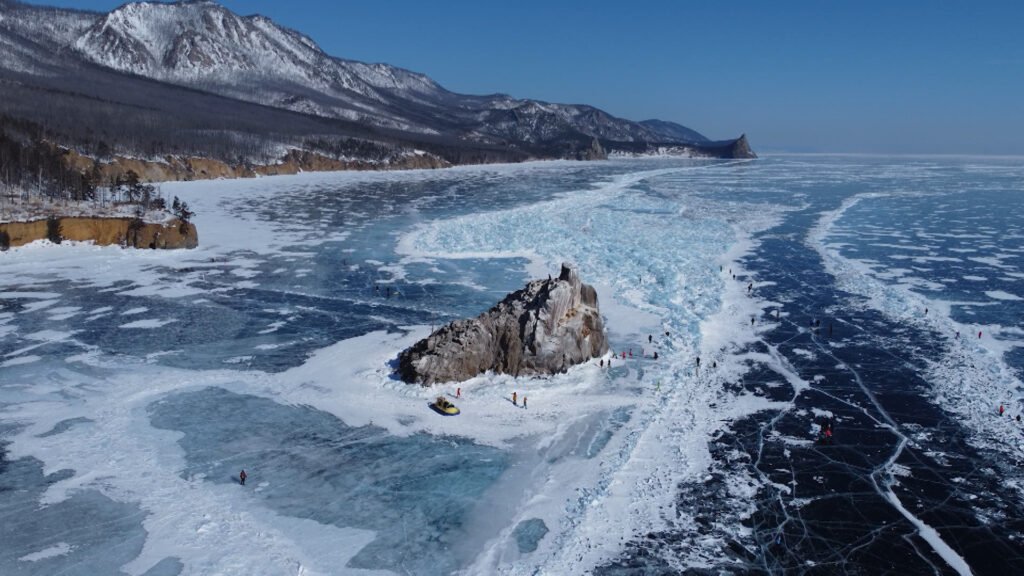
167	83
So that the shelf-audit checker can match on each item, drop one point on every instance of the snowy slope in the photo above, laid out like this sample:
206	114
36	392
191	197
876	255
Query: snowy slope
203	45
201	41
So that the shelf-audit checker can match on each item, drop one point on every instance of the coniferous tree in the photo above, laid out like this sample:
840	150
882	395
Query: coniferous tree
53	230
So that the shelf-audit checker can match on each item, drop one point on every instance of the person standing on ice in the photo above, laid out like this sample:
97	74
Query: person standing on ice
698	362
524	402
514	399
650	338
1000	409
241	477
979	334
458	392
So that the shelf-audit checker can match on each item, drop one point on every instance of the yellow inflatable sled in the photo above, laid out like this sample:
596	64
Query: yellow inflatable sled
443	407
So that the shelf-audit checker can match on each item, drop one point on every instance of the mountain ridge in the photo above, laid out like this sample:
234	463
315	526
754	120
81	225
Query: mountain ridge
108	68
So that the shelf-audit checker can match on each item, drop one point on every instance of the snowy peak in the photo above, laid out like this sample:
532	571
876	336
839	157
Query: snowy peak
192	39
204	44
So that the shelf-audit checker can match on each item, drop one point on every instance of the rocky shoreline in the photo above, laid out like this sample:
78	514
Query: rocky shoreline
128	232
176	168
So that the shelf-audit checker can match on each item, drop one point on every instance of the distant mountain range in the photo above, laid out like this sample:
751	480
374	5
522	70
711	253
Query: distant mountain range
150	80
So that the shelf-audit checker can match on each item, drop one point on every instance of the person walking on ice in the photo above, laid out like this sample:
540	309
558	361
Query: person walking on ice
241	477
514	401
524	402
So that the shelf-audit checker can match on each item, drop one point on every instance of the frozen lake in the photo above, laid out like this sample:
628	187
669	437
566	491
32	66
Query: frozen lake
135	385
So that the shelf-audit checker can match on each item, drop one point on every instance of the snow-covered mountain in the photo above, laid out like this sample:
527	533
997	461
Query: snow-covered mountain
201	45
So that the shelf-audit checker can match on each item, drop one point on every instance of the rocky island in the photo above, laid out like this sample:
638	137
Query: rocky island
542	329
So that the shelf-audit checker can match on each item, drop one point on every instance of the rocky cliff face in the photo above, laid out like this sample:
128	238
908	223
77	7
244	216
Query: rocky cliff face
173	168
544	328
103	232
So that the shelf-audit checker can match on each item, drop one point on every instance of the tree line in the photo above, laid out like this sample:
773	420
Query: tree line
31	167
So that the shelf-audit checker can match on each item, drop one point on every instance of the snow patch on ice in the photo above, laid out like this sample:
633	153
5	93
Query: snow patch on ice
149	323
59	549
1002	295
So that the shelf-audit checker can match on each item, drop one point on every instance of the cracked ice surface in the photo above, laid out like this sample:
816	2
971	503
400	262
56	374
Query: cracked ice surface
304	289
147	378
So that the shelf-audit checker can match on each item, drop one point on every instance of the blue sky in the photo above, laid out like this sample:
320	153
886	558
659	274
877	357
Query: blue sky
816	76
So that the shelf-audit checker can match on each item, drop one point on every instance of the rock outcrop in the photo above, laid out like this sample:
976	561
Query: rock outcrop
103	232
542	329
172	168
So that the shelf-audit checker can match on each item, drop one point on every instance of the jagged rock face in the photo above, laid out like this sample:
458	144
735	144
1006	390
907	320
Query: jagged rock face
741	148
105	232
542	329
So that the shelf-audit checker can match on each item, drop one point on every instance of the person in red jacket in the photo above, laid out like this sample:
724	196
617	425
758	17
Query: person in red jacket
241	476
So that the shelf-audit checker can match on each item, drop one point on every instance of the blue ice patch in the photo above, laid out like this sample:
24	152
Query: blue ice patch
529	533
414	492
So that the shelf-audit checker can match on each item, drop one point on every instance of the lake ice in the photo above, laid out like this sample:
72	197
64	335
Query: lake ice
135	385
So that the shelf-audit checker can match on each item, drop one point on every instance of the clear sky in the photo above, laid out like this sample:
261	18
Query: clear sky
886	76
